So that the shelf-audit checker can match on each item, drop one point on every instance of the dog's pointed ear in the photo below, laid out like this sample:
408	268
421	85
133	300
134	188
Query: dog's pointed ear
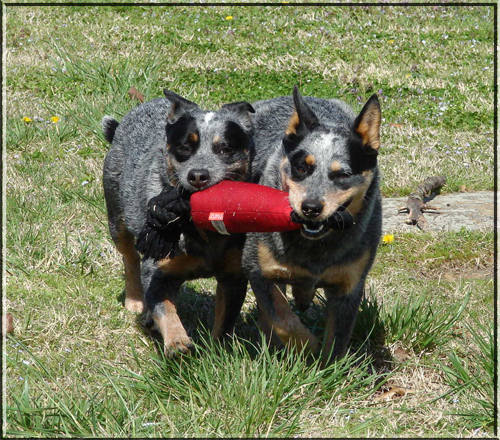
302	121
241	107
179	105
303	118
367	125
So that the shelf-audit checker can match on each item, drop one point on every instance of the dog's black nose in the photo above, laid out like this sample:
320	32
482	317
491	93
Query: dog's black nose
312	208
198	178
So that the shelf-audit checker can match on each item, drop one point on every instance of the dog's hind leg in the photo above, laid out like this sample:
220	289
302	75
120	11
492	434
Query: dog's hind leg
230	295
123	239
275	309
134	295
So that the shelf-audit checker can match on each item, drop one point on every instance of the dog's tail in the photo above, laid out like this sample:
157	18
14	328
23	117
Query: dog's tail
109	126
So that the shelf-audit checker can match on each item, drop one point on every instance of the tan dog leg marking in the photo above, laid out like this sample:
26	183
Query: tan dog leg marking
182	264
175	338
346	276
134	294
287	325
272	268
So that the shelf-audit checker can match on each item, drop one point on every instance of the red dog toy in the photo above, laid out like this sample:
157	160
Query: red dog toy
232	207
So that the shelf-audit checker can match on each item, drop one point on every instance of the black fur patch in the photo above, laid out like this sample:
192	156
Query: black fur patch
182	144
235	144
300	169
236	137
358	159
291	141
109	127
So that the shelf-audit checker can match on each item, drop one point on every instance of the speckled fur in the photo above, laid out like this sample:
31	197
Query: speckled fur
137	167
328	262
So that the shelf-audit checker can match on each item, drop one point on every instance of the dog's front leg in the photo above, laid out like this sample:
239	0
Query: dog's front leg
341	311
275	310
161	299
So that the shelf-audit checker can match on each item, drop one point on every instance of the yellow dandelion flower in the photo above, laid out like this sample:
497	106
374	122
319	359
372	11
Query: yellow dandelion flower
26	119
408	75
388	238
55	119
391	42
229	17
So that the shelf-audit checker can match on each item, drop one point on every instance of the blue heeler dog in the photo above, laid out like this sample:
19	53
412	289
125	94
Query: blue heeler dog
171	144
326	158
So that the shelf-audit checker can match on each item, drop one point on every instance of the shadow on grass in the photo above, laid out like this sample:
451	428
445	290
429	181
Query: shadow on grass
196	309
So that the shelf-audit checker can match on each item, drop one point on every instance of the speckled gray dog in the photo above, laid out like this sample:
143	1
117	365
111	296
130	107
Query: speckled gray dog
171	141
326	158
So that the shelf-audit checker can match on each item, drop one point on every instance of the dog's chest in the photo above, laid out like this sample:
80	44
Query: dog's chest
314	272
204	259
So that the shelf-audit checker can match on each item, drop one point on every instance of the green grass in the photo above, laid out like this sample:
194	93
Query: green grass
79	365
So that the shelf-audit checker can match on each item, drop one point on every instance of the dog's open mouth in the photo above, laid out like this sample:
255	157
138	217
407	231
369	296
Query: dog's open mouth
340	219
315	231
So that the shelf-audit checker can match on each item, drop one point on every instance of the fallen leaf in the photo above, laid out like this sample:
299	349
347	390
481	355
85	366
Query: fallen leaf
401	355
392	392
134	93
7	324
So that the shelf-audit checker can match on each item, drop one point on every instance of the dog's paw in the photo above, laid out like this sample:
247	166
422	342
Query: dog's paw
134	305
177	346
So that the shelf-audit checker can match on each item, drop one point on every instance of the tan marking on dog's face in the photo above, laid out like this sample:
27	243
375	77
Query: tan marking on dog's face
193	137
347	275
171	166
338	198
296	194
273	269
284	178
180	265
239	168
335	166
359	196
310	160
293	124
216	140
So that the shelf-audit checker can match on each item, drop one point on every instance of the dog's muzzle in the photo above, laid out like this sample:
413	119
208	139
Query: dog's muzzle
341	219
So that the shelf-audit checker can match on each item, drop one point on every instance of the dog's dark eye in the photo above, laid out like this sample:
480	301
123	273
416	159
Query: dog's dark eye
226	151
300	169
338	175
222	149
184	150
